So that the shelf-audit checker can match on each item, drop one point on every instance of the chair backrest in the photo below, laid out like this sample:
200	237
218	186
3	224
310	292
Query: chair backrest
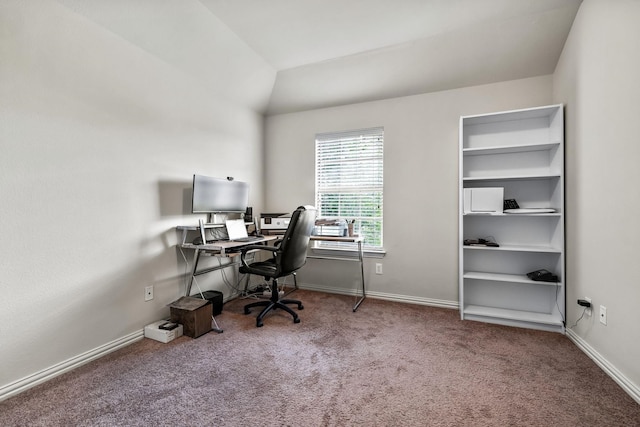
293	249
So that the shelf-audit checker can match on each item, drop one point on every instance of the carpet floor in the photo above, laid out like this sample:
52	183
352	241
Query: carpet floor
388	364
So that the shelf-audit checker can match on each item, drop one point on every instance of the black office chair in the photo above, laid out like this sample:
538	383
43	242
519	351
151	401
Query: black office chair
289	255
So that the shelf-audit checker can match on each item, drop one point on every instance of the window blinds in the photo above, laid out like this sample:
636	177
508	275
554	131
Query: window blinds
349	179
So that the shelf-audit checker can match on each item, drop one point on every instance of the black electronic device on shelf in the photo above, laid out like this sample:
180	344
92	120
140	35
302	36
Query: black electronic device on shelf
510	204
480	242
542	275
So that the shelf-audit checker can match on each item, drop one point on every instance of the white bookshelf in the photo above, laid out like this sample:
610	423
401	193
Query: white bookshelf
521	151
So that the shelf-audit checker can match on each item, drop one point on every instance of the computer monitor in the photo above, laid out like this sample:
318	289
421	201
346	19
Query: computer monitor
219	195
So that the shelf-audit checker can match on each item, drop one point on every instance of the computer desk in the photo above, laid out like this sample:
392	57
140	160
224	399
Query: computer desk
222	248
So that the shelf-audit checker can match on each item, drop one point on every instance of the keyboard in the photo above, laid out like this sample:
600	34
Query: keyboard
198	242
247	239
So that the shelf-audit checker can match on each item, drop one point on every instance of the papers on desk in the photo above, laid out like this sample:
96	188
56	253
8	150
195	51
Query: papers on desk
330	227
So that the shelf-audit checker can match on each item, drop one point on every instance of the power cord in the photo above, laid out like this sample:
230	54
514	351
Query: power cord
564	321
587	305
579	319
226	281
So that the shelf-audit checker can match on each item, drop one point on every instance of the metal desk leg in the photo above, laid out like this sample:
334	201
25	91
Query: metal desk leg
196	258
247	275
216	328
361	258
295	285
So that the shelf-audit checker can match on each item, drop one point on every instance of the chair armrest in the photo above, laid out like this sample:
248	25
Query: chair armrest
245	249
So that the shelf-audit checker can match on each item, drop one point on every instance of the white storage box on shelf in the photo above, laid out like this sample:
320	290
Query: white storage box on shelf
487	200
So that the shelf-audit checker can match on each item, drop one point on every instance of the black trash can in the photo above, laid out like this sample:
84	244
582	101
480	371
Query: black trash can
216	298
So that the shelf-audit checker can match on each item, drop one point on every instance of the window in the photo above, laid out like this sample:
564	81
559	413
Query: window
349	180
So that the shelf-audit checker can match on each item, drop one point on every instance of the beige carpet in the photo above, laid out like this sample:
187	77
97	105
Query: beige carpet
388	364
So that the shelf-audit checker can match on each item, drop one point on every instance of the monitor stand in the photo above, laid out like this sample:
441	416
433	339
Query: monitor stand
214	218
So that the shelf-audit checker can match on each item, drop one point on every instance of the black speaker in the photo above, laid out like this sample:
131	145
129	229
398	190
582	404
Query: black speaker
248	215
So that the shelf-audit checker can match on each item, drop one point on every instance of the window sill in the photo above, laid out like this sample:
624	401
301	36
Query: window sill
348	252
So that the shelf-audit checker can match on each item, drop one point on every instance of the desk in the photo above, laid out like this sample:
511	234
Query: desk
221	248
354	239
218	248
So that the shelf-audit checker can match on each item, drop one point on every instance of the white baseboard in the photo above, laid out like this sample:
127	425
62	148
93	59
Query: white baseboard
414	300
25	383
384	296
628	386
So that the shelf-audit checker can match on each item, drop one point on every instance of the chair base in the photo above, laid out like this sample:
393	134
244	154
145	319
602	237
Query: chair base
273	303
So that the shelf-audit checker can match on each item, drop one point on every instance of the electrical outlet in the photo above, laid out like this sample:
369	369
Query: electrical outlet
378	268
603	314
588	311
148	293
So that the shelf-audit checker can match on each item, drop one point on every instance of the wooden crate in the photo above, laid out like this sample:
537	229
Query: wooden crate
194	314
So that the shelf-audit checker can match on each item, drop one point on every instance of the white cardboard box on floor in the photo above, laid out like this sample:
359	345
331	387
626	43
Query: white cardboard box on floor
154	332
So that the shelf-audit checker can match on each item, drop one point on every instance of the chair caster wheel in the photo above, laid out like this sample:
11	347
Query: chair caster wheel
259	325
247	311
296	320
300	307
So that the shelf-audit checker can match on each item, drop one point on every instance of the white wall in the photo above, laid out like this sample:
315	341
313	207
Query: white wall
421	182
597	77
100	133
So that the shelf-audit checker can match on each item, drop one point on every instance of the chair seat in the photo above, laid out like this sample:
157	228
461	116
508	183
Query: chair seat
265	268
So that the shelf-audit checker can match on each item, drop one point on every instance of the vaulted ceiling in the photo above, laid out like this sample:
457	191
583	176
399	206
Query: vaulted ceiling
279	56
333	52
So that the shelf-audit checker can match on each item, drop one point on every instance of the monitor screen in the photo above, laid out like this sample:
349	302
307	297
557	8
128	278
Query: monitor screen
211	195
